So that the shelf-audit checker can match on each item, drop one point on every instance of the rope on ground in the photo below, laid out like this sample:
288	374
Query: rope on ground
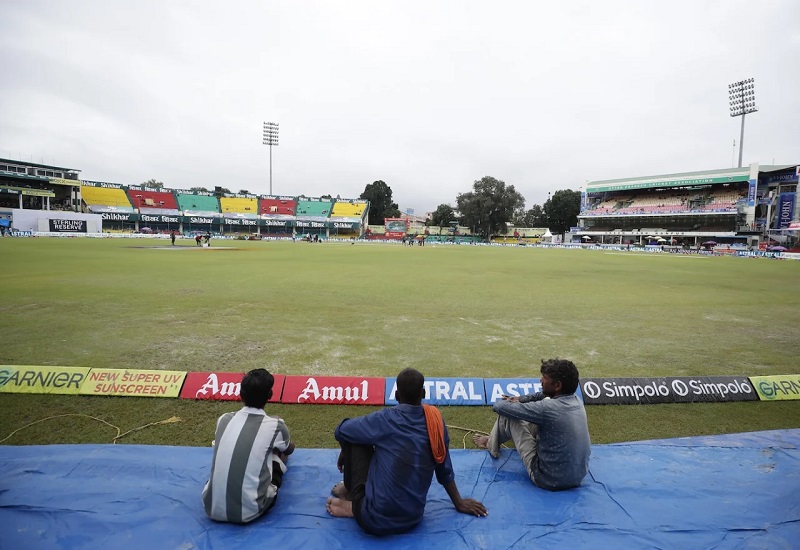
113	441
469	431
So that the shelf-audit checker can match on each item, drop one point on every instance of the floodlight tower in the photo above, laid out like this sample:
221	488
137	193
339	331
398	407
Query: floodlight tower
742	98
270	138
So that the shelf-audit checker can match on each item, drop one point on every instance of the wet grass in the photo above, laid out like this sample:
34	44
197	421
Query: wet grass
341	309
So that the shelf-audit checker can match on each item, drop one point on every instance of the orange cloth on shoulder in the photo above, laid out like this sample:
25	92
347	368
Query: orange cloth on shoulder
435	424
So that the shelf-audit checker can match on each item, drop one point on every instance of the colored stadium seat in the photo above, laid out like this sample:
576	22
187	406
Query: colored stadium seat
197	203
312	209
161	200
239	205
106	197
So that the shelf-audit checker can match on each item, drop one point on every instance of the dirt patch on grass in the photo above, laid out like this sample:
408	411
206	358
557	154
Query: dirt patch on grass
201	248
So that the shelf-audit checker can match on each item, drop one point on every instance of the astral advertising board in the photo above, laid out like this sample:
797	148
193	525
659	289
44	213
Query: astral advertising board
333	390
445	391
35	379
224	386
781	387
496	388
139	383
683	389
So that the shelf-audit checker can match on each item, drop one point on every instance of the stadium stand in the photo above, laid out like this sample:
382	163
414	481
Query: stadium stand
152	202
238	205
198	205
102	199
313	215
348	217
313	209
729	206
145	209
280	207
348	210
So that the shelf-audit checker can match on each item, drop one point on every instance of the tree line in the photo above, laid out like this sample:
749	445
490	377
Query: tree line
487	209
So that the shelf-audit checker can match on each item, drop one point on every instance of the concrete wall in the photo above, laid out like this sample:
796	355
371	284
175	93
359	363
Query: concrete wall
39	220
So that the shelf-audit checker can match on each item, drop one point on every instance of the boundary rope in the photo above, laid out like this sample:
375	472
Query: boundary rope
119	435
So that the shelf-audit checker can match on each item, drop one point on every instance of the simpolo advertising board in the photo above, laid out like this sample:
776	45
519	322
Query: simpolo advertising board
682	389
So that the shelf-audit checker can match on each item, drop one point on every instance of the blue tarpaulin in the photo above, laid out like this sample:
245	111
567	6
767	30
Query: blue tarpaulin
729	491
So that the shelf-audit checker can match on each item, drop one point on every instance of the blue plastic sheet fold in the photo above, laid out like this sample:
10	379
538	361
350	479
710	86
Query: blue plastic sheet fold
729	491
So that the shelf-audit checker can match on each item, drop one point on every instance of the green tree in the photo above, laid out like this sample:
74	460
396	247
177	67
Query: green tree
381	206
443	215
199	189
533	217
562	210
155	184
489	205
244	192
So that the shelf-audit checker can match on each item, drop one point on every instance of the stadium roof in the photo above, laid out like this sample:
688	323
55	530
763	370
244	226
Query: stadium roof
37	165
776	168
16	176
683	179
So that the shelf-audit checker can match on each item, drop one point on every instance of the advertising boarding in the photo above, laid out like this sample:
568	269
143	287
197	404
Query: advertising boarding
35	379
223	386
138	383
333	390
683	389
444	391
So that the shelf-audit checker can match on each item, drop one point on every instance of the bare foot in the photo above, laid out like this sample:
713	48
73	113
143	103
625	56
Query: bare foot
340	491
480	440
339	508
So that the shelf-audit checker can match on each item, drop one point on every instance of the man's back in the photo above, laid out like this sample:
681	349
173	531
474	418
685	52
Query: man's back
564	446
240	486
402	467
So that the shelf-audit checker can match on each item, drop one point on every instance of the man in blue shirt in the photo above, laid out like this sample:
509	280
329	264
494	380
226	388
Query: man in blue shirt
548	428
388	459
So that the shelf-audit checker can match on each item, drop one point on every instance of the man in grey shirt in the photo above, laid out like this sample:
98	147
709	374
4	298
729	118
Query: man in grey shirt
548	428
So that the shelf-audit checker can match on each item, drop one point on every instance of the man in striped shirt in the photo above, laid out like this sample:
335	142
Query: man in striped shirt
250	454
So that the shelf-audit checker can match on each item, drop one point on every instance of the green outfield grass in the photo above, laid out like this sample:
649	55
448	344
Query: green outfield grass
342	309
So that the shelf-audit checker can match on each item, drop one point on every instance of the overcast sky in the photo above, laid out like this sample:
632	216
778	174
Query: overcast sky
428	96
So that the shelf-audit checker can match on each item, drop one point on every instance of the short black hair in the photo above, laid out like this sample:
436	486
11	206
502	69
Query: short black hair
410	386
561	370
256	388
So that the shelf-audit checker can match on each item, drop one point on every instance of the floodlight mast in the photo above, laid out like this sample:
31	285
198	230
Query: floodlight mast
742	99
270	138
